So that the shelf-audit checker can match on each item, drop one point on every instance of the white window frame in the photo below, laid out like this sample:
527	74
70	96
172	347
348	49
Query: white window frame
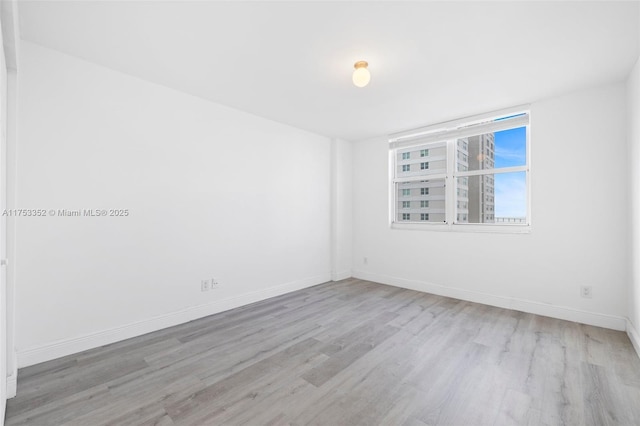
450	132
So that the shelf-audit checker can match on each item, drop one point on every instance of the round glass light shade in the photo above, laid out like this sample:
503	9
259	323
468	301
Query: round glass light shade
361	76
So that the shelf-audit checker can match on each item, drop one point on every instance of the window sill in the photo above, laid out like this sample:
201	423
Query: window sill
474	228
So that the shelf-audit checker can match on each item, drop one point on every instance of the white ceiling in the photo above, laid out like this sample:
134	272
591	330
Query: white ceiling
292	61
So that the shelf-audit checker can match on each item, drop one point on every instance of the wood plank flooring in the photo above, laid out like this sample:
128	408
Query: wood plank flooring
345	353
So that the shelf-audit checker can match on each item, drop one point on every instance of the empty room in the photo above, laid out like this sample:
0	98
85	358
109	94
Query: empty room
409	213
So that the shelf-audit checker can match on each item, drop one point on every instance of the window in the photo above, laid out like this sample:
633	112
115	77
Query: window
424	216
406	192
477	173
433	189
406	204
406	167
406	155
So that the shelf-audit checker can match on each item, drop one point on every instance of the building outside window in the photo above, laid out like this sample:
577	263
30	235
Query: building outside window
478	171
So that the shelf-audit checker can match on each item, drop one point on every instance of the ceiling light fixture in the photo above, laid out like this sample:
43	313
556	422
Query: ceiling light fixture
361	75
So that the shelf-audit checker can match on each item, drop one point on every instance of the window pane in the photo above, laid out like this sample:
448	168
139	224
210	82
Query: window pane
506	148
421	160
493	198
420	201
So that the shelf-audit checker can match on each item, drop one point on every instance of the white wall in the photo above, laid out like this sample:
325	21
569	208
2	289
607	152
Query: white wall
579	217
342	208
212	192
633	117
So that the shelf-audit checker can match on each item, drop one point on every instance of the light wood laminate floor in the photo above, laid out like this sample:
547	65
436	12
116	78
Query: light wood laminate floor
345	353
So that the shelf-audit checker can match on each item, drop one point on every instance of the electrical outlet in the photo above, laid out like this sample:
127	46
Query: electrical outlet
205	285
214	283
586	291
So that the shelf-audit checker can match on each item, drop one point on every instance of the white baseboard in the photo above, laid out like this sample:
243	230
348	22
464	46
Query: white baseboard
12	386
74	345
561	312
338	276
634	336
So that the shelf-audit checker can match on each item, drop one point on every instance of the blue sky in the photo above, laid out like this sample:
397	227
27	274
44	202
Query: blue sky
511	147
510	188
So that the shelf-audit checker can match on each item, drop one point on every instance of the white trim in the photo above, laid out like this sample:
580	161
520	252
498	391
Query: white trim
464	132
451	184
461	128
489	228
634	336
452	124
12	386
560	312
60	348
528	174
482	172
392	187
